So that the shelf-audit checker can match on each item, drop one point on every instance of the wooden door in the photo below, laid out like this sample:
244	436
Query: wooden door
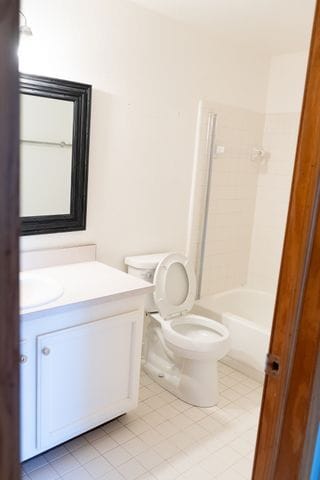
287	432
9	226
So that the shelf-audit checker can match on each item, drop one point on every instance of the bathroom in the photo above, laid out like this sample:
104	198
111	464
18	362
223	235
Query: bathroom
191	114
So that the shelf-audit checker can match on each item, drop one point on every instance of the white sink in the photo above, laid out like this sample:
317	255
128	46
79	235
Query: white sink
36	290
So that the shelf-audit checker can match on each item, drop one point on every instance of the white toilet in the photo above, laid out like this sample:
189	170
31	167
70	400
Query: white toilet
181	350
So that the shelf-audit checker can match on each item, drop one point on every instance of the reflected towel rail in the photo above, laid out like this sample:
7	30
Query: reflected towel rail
49	144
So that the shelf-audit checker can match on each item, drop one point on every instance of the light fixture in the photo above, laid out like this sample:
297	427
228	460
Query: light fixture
24	28
25	53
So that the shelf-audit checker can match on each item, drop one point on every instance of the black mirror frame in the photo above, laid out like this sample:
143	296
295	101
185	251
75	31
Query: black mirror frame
80	95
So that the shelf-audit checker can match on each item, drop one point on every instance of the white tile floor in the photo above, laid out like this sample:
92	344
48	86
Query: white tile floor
164	439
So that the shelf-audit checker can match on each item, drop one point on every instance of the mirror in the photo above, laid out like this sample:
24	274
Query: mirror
54	141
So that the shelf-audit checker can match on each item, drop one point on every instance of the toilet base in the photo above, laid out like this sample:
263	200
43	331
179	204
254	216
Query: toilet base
195	383
192	380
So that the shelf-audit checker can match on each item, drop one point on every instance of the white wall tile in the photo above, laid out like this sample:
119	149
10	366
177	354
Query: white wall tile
273	192
233	190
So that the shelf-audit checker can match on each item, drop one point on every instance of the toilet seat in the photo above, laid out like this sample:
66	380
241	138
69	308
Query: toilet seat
166	289
188	335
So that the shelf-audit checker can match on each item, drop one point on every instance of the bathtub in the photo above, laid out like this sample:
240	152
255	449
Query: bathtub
248	316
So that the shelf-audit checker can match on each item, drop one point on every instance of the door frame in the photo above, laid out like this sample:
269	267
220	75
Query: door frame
292	393
9	238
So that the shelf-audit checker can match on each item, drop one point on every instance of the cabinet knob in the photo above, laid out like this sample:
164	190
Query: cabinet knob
45	351
23	358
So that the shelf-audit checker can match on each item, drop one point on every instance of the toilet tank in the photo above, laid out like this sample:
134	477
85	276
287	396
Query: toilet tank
144	266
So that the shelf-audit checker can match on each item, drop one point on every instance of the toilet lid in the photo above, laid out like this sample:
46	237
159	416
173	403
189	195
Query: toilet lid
175	286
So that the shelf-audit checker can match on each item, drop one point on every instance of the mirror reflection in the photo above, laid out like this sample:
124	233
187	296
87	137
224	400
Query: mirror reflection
46	155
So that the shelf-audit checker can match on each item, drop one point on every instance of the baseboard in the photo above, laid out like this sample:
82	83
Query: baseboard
251	372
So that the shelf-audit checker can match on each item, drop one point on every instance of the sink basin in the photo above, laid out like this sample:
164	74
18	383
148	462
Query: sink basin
36	290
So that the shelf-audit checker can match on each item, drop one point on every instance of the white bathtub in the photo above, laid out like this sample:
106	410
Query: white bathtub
248	316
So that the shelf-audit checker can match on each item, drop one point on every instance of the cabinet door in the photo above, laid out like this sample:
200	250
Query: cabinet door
27	399
87	375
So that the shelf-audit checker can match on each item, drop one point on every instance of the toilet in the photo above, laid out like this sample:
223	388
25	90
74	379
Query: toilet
181	350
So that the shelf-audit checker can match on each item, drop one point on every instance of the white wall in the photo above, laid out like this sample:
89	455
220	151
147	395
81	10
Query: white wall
284	99
286	83
148	73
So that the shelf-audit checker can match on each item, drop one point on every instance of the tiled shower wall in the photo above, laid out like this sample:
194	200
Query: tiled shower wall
273	192
232	199
248	202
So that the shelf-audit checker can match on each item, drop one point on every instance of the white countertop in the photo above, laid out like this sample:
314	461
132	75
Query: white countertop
88	281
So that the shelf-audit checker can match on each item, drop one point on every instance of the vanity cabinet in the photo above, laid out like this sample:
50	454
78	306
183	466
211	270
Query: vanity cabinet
80	353
83	375
80	368
27	404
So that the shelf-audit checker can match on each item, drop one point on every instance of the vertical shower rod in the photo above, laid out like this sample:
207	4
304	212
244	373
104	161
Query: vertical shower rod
211	130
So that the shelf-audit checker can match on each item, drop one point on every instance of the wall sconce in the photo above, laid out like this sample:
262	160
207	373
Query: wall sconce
25	36
24	28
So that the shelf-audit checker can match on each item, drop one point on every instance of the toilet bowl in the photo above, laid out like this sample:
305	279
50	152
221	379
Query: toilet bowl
196	337
181	350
